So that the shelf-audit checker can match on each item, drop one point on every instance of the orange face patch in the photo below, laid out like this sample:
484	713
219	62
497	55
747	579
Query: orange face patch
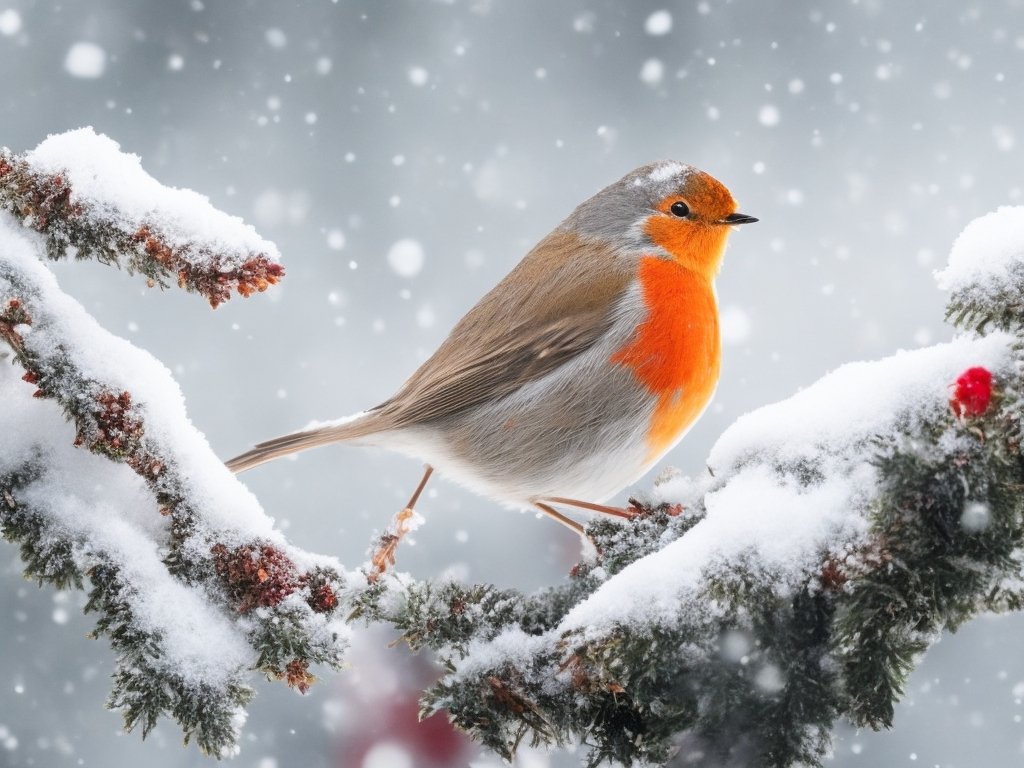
695	246
697	241
675	352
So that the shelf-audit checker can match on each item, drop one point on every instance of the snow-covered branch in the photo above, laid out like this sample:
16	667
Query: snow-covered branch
840	533
190	581
836	536
91	200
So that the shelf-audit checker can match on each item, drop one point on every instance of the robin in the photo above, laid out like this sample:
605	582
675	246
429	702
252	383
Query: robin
575	374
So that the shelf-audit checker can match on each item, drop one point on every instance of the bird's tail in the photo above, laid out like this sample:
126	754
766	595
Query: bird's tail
301	441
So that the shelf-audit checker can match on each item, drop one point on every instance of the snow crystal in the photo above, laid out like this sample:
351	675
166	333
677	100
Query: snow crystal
986	250
658	23
323	65
736	645
976	517
406	257
652	71
387	754
796	85
1003	137
10	22
584	23
770	679
116	186
426	317
175	62
86	60
734	324
335	239
768	115
418	76
276	38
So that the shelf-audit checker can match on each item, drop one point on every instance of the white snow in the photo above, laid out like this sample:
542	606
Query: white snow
776	524
418	76
85	60
335	239
854	403
658	23
989	249
768	115
104	357
115	187
276	38
10	22
387	754
652	71
666	170
760	513
734	325
1004	138
406	257
105	505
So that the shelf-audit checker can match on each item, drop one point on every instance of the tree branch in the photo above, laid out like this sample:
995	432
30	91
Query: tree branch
89	199
732	623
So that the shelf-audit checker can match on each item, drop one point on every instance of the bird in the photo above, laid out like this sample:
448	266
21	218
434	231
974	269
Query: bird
578	371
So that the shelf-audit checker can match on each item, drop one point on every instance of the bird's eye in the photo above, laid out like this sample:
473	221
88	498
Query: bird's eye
680	209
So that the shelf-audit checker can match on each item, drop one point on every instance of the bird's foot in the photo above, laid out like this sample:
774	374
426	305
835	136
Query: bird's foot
640	509
384	556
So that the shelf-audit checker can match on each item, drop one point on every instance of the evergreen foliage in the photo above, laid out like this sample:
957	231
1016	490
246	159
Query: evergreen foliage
751	665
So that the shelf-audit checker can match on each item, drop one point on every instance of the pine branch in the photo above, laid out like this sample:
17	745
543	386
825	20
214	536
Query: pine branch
732	622
204	543
122	216
693	639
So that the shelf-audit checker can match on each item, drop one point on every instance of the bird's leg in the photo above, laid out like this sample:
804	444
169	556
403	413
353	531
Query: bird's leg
384	555
627	514
558	517
587	542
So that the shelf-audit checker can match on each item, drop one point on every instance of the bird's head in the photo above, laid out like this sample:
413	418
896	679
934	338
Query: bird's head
667	209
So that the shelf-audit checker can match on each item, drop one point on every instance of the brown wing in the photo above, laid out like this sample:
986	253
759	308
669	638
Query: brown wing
554	305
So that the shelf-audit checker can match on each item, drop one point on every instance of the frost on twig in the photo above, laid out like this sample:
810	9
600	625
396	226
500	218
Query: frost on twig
189	581
90	200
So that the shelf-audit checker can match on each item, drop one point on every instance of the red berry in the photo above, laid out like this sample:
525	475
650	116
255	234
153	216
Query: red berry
972	392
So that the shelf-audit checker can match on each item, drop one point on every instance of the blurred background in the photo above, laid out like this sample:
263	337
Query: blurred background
403	156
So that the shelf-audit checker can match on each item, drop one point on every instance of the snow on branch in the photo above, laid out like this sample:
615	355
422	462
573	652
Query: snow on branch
985	273
733	622
840	533
189	580
91	200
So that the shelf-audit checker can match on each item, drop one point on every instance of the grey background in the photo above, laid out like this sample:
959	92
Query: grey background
906	127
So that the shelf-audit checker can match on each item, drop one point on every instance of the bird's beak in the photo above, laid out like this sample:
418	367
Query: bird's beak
737	218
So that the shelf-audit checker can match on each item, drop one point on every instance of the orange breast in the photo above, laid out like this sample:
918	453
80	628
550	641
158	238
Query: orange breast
675	352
